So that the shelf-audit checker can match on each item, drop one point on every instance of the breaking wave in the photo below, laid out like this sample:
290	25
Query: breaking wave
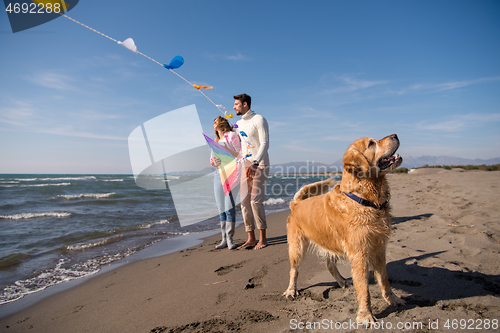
274	201
24	216
87	195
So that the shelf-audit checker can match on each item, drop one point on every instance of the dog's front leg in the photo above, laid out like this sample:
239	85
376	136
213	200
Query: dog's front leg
383	281
360	273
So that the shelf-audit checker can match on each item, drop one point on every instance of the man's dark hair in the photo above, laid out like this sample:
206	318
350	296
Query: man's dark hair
244	98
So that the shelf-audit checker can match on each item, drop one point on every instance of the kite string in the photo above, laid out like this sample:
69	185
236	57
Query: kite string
86	26
100	33
116	41
182	78
201	92
216	106
142	54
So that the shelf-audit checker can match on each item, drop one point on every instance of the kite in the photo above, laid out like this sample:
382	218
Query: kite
230	167
204	87
129	44
176	62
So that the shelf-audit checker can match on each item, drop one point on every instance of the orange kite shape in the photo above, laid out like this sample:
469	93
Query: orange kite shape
204	87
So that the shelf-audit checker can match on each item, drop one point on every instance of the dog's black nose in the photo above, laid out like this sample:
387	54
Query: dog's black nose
395	136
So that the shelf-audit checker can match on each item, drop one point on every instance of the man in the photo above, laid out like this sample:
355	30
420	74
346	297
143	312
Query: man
254	134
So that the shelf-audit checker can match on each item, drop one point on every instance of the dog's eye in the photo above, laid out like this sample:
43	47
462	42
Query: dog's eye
371	143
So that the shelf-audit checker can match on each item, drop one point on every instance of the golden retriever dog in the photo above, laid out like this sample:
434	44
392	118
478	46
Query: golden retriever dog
352	220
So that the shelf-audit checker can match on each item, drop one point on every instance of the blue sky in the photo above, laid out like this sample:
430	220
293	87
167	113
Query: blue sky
323	73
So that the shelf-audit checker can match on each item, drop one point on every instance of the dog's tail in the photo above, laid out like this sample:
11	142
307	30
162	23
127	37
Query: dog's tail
312	190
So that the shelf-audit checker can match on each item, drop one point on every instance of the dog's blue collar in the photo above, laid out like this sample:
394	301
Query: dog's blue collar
367	203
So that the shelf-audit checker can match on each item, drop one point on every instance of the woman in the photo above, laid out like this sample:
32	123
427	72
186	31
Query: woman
227	138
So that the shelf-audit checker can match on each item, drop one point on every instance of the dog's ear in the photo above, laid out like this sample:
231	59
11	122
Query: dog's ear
355	162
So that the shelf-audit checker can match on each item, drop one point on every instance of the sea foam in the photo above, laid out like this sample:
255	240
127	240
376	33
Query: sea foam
87	195
43	185
274	201
24	216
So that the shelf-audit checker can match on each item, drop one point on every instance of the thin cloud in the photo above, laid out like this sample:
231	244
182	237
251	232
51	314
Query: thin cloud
92	115
276	124
361	84
18	114
109	60
460	122
351	84
69	132
447	126
53	80
236	57
439	87
233	57
482	117
341	138
309	112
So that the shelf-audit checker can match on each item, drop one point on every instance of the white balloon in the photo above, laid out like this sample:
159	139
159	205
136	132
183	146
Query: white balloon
129	44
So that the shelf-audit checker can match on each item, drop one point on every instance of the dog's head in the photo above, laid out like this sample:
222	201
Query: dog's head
369	158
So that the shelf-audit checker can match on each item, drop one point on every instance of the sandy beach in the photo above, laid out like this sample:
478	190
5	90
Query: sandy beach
442	259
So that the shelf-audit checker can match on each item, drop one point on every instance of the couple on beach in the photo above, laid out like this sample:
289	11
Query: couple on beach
253	140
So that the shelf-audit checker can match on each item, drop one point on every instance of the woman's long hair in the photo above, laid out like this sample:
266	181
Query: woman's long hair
223	126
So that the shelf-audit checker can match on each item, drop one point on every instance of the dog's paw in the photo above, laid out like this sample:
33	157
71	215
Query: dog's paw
394	300
365	317
399	301
290	293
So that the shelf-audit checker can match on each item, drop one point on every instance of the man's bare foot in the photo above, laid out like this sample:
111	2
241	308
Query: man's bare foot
247	245
260	246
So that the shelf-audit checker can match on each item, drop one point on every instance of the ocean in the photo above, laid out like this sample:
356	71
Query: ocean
57	228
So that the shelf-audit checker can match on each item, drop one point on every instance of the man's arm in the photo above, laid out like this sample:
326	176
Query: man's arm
262	127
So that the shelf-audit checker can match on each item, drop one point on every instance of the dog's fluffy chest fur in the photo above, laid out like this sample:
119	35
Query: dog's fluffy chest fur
340	225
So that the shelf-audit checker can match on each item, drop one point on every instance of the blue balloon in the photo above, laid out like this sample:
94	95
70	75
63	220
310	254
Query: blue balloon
176	62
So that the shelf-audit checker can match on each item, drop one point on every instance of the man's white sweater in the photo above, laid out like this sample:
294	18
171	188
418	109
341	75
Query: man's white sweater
254	135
